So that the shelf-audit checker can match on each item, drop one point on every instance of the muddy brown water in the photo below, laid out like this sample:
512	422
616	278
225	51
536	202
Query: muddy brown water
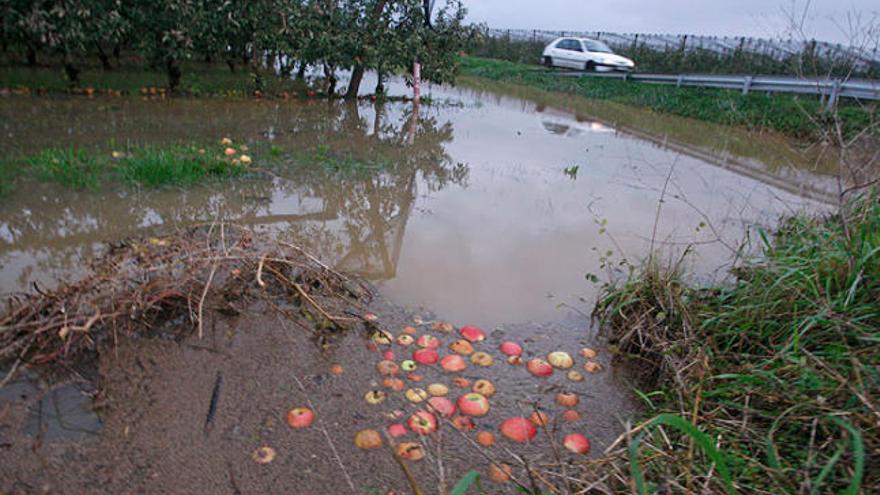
477	216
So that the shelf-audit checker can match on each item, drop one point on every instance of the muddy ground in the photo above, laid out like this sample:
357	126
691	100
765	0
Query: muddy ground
151	398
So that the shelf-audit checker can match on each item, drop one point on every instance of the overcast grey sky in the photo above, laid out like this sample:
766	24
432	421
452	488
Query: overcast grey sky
826	20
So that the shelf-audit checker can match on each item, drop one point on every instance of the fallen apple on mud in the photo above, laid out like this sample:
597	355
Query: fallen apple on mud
473	404
511	348
393	383
453	363
438	389
396	430
263	455
463	423
408	365
405	340
567	399
539	418
416	395
336	369
588	353
382	337
575	376
388	355
414	377
499	473
426	356
410	451
484	387
571	416
539	367
428	342
300	417
442	406
471	333
486	438
368	439
592	367
387	368
461	382
482	359
462	346
577	443
518	429
442	326
374	397
560	359
409	330
514	360
422	422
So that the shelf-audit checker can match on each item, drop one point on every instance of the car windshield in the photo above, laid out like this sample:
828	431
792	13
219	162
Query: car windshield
597	46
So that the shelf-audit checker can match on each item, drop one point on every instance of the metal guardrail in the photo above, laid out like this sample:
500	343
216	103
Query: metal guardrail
830	89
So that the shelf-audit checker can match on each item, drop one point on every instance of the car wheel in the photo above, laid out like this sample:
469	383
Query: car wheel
548	62
590	66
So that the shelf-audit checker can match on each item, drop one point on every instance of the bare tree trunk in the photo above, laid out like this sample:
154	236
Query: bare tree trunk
105	60
70	70
330	75
301	73
357	75
174	74
31	56
380	81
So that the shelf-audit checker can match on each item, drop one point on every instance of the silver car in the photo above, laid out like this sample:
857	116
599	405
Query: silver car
585	54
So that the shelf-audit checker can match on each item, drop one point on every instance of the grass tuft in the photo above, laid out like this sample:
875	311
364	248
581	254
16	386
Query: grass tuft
67	166
781	369
179	166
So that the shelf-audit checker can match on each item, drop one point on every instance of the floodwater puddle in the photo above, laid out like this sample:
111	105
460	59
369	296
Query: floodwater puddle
491	206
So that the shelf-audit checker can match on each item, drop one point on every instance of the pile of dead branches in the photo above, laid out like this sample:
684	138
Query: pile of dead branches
166	285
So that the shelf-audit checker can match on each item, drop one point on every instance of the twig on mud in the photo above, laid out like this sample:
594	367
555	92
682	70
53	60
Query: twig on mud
212	405
413	484
326	434
260	271
205	294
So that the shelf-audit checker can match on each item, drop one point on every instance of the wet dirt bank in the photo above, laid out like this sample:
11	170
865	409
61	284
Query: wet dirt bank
153	399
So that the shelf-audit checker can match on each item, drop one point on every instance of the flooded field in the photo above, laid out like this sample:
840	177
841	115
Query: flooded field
488	206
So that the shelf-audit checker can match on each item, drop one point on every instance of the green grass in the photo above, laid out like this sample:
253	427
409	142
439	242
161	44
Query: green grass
150	167
199	79
179	166
780	369
69	167
796	116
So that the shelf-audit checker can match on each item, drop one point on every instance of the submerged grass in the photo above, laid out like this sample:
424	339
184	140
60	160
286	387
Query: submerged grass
798	116
779	370
149	167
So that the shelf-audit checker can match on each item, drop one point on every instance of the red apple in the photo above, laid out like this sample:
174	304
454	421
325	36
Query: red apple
571	416
442	406
453	363
388	355
486	438
473	334
518	429
567	399
462	346
539	418
410	451
539	367
473	404
426	356
463	423
396	430
577	443
511	348
428	342
387	368
422	422
300	417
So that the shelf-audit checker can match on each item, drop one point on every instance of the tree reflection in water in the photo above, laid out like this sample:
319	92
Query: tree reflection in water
353	218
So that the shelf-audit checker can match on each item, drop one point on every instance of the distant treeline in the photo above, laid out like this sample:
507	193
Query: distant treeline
813	59
288	35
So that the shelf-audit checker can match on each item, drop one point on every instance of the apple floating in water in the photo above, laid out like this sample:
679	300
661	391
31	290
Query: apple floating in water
300	417
518	429
388	355
393	383
442	326
453	363
463	423
473	334
374	397
409	330
438	389
426	356
539	367
560	359
577	443
514	360
336	369
571	416
575	376
461	382
592	367
408	365
442	406
415	395
473	404
539	418
415	377
368	439
422	422
396	430
511	348
405	339
588	353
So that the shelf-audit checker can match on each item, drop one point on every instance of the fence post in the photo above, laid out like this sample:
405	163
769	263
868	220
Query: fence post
679	81
835	94
747	85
